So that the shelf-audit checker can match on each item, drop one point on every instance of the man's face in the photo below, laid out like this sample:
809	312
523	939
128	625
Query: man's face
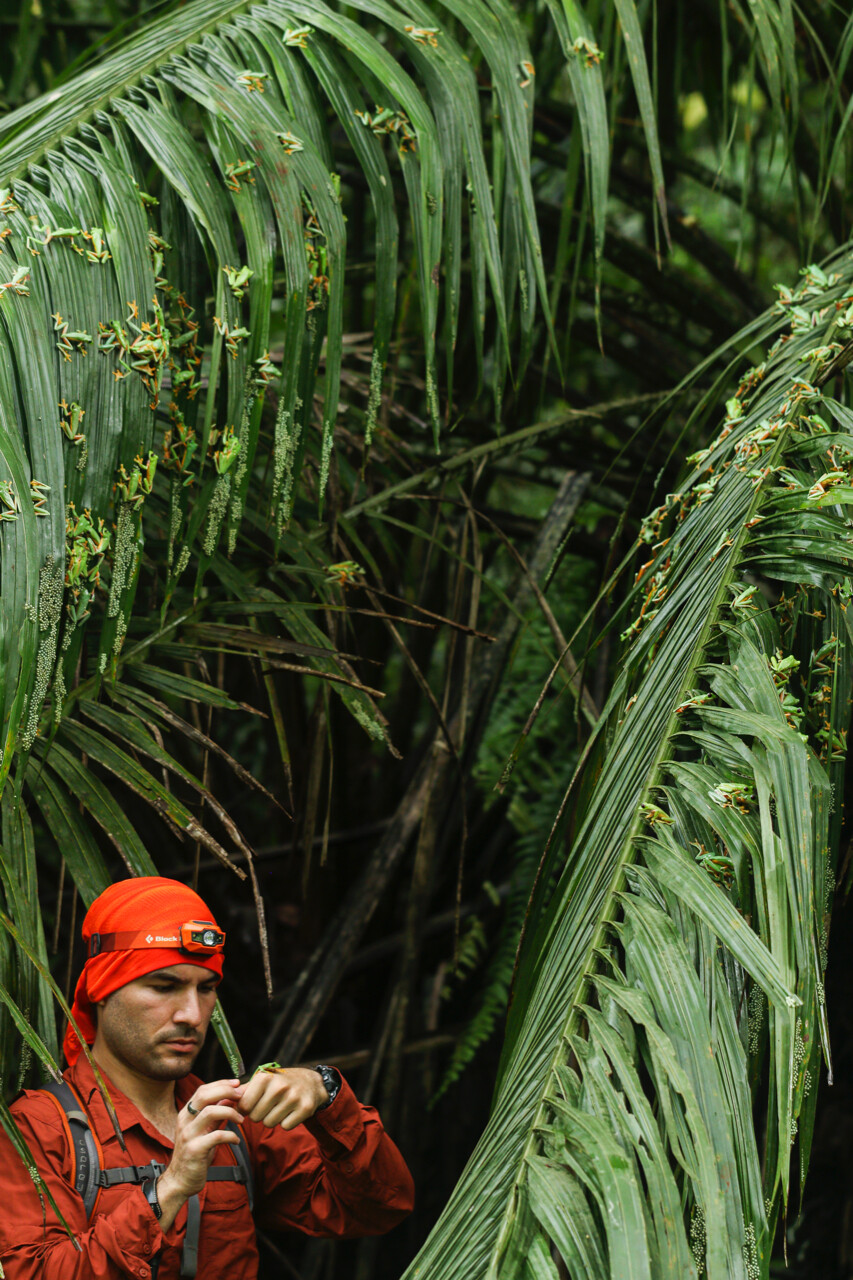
156	1025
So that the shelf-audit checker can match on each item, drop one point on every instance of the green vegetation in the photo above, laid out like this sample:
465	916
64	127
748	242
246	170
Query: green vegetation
423	527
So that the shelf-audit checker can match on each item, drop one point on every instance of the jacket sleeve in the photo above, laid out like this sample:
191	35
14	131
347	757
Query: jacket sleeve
121	1242
338	1174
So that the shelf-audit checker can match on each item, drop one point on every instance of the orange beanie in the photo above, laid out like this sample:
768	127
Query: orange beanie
146	905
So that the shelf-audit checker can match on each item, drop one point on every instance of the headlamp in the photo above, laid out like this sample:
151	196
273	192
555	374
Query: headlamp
201	935
196	937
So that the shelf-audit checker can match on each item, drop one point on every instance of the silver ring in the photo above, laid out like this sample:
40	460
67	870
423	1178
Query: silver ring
192	1110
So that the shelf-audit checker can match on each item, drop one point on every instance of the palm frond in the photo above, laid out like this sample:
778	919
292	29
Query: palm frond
668	1024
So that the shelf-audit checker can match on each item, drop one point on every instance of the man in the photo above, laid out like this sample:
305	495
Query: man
321	1162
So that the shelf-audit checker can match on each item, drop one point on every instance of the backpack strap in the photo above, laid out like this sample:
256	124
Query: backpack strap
134	1174
189	1252
86	1154
244	1164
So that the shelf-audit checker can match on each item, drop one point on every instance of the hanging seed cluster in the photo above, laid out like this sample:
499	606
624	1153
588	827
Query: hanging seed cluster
51	582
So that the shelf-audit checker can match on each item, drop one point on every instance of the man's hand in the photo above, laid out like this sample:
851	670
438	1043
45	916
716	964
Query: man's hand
286	1096
196	1138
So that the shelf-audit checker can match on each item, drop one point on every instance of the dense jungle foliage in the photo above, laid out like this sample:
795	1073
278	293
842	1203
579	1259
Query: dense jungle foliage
425	458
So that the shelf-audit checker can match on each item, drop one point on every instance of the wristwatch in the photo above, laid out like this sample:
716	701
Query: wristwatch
332	1080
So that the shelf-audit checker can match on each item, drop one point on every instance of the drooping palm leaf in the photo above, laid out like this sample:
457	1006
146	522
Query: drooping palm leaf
668	1025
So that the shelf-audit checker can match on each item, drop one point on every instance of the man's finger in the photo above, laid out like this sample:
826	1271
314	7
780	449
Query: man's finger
264	1104
270	1110
217	1138
219	1089
215	1092
260	1084
296	1118
284	1110
213	1115
256	1088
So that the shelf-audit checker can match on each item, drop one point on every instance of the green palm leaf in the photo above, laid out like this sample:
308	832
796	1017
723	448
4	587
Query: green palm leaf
677	959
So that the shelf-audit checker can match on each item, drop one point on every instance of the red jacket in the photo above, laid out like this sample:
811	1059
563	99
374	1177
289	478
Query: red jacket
339	1174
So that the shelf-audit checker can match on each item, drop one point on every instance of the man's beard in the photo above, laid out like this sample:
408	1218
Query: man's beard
159	1070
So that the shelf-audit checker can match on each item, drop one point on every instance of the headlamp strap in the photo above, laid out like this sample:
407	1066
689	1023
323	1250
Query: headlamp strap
194	937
